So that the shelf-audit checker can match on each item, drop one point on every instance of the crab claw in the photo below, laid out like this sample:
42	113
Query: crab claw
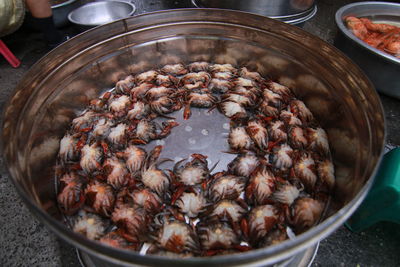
105	147
250	190
167	128
178	193
272	144
187	113
154	155
265	118
86	130
137	141
177	215
106	95
201	157
81	143
242	248
244	226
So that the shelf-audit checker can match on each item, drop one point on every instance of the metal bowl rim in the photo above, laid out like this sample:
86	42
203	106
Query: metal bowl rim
307	17
100	3
63	4
350	35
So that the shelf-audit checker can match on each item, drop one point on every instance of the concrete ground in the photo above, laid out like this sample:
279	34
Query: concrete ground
26	242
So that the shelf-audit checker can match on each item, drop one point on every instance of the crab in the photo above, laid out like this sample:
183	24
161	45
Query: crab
297	137
165	105
91	157
272	98
261	220
305	213
115	240
100	197
200	100
245	73
191	203
135	158
220	85
326	172
125	85
226	186
258	133
147	199
166	80
195	80
217	236
178	237
223	75
68	148
286	193
289	118
268	110
299	109
71	197
119	105
194	172
318	140
90	225
244	164
131	221
151	176
116	172
261	186
146	77
198	66
140	90
277	131
245	100
139	111
223	68
232	110
229	211
174	69
157	92
280	89
282	156
304	169
117	135
239	139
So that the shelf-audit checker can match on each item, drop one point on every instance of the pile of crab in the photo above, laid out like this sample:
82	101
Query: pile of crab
117	193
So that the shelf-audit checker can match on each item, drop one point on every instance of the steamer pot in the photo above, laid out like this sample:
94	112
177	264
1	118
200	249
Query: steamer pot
59	85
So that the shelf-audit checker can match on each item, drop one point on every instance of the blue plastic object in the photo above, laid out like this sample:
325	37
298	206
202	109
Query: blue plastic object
383	201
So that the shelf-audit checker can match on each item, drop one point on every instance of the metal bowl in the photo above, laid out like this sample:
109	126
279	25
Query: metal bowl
293	12
101	12
382	68
61	84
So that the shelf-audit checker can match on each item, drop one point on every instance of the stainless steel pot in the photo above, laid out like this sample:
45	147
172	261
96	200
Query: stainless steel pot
382	68
62	83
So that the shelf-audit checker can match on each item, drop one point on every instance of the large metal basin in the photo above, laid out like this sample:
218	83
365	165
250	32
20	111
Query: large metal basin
382	68
61	83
